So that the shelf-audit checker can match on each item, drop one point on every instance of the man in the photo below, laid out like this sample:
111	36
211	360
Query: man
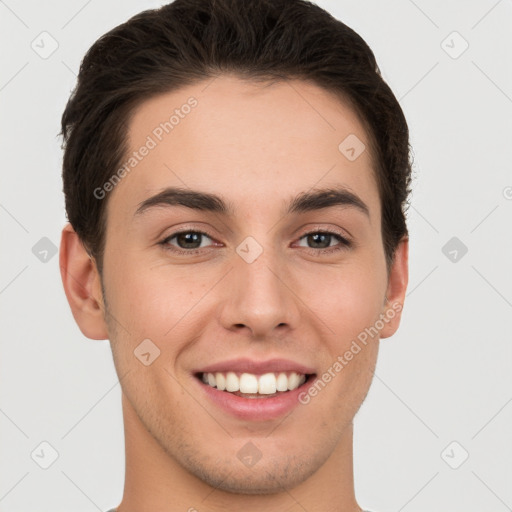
235	175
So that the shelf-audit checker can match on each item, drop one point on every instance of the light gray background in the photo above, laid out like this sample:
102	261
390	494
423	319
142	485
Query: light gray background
444	377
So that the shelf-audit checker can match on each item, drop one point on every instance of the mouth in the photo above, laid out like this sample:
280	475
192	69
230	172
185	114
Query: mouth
254	390
255	386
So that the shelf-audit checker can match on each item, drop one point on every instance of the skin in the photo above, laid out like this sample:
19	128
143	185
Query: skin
257	146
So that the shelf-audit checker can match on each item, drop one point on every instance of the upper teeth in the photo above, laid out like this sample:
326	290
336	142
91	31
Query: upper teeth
265	384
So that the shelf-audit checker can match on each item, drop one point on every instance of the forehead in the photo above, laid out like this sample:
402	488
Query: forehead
251	142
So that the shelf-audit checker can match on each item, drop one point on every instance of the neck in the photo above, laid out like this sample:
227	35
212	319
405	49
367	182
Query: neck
155	481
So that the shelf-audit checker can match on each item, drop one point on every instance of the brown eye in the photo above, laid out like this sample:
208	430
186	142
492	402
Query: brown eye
323	239
191	240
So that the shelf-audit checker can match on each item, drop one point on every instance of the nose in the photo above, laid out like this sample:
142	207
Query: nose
260	297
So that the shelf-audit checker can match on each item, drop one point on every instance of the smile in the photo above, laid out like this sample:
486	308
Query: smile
250	385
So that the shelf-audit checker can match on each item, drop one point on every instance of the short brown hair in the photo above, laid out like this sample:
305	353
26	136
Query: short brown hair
188	41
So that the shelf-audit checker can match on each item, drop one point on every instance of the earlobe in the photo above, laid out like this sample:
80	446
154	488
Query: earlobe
82	285
397	286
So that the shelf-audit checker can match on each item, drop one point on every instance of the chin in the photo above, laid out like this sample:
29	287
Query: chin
270	478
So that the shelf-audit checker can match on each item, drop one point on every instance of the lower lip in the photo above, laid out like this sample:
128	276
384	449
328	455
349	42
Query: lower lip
256	409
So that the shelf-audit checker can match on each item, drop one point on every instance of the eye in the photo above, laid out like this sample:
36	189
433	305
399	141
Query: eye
321	241
193	241
187	241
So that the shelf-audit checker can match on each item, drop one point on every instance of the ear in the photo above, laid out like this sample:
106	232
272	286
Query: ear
397	286
82	285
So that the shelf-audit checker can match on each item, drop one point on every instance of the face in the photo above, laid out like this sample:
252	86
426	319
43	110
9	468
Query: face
273	276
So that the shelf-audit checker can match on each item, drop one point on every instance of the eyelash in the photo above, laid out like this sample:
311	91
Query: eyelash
344	243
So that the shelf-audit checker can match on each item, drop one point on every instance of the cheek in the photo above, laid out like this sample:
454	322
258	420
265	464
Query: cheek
350	298
352	307
158	303
148	299
146	305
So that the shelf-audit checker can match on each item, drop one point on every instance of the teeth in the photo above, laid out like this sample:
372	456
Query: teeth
221	381
282	382
248	383
232	382
266	384
293	381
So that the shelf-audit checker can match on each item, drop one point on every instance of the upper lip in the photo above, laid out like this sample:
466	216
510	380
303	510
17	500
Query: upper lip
245	365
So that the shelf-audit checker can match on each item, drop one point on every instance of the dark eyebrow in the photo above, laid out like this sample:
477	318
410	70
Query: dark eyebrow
324	198
185	197
304	202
